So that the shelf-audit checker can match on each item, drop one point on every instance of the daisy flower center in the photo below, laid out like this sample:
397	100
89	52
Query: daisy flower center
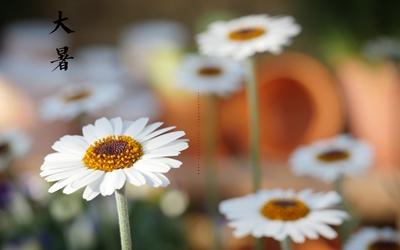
384	245
79	95
245	34
334	155
4	148
209	71
113	152
284	209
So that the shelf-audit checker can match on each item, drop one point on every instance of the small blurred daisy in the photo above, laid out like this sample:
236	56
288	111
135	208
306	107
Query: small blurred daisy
111	153
283	213
210	75
243	37
383	48
331	158
13	144
74	100
374	239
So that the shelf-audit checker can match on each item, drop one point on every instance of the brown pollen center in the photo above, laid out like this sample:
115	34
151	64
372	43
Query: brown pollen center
4	148
210	71
284	209
113	152
384	245
79	95
334	155
245	34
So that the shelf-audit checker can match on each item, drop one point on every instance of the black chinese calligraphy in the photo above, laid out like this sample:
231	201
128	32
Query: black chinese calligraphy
59	23
62	58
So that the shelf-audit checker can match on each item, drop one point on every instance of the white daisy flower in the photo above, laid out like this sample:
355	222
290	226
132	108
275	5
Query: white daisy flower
210	75
74	100
331	158
283	213
13	144
243	37
111	153
374	239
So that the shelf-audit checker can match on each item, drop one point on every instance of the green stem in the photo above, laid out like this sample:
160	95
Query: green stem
254	132
210	148
348	226
286	244
252	100
123	219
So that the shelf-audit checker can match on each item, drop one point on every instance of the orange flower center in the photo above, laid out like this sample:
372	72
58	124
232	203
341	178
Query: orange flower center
284	209
384	245
245	34
334	155
113	152
79	95
209	71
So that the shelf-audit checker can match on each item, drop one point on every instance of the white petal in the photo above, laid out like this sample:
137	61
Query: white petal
87	180
89	133
112	181
93	189
134	176
61	157
157	132
103	128
60	184
71	145
117	125
152	166
147	130
163	140
136	127
54	166
175	147
62	175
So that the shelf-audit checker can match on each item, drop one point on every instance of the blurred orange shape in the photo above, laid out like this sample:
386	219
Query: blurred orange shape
373	97
299	102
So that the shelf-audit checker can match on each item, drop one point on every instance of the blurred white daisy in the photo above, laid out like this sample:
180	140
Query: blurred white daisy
243	37
77	99
283	213
210	75
383	48
111	153
25	55
331	158
13	144
374	239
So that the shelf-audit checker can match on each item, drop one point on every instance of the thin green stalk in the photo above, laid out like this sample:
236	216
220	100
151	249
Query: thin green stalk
123	219
254	132
348	226
286	244
210	147
252	100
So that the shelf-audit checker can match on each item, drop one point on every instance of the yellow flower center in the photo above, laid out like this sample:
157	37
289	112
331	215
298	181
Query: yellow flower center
209	71
334	155
79	95
113	152
245	34
384	245
284	209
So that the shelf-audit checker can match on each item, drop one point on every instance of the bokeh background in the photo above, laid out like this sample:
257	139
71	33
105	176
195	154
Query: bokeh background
326	83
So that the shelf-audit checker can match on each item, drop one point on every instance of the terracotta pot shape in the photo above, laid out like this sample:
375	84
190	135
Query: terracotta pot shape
299	102
373	96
